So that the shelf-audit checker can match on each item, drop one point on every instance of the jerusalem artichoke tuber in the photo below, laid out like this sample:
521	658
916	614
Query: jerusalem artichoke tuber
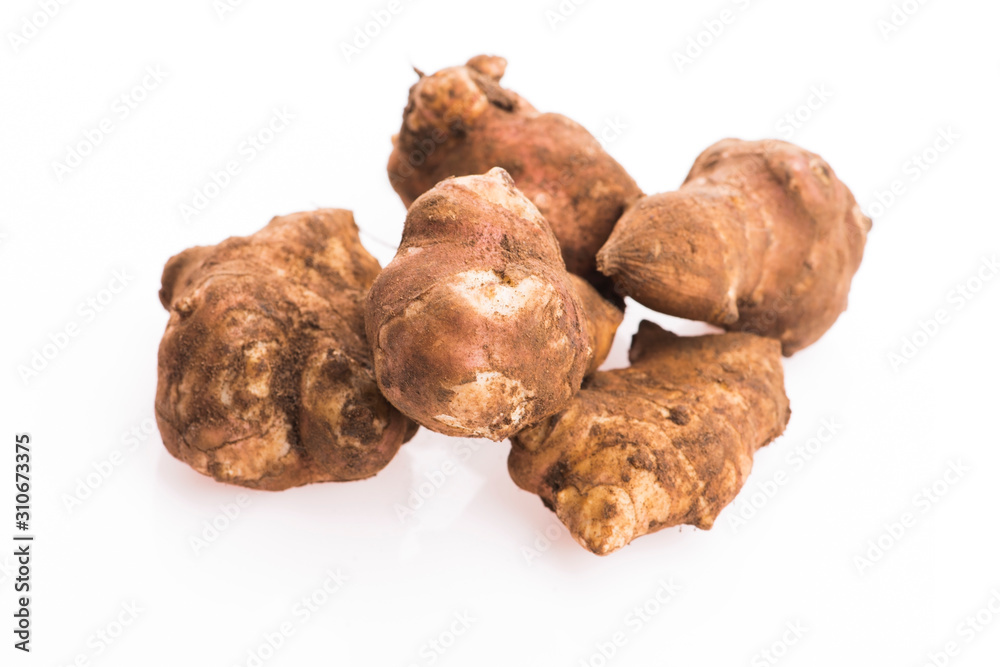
762	238
265	376
668	441
477	328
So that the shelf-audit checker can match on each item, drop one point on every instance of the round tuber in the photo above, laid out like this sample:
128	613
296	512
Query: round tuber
477	328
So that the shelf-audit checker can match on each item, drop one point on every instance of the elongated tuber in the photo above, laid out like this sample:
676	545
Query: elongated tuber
477	328
265	376
762	238
668	441
460	121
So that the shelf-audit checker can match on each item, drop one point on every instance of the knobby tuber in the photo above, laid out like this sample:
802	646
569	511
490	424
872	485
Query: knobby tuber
667	441
477	328
460	121
762	237
265	376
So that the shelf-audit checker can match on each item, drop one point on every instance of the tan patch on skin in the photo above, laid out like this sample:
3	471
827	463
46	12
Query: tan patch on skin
468	400
497	187
258	370
602	519
490	296
251	458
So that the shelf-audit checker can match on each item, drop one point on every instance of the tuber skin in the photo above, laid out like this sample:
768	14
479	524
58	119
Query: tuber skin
667	441
265	375
603	320
460	121
761	238
477	328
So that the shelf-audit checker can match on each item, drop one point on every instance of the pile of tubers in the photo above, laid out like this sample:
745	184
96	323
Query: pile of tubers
291	358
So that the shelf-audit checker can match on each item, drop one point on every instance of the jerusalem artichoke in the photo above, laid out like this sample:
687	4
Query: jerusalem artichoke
762	238
477	328
668	441
265	376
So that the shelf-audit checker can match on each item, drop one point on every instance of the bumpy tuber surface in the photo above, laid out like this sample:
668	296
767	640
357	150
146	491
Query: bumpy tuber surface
265	376
477	328
762	238
667	441
460	121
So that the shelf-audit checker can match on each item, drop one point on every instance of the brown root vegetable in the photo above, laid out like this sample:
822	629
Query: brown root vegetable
265	376
460	121
761	238
477	328
667	441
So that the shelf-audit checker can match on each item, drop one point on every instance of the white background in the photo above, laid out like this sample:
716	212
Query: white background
474	547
